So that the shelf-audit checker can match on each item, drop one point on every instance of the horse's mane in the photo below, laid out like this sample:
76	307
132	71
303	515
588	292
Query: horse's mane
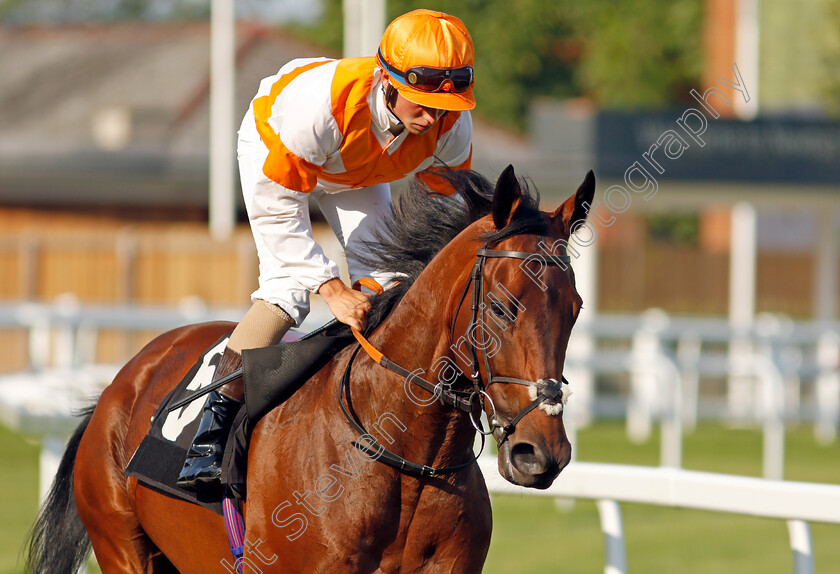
422	222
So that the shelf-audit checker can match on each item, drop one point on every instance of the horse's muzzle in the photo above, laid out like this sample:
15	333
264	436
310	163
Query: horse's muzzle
526	464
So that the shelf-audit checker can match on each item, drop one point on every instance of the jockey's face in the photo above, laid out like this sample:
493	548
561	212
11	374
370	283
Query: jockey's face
417	119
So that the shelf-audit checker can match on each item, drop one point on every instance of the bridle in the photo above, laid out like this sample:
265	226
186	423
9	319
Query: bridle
547	389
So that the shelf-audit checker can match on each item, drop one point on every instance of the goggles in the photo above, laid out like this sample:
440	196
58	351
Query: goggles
428	79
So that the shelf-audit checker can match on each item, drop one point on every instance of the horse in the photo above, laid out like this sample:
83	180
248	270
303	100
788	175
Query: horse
484	290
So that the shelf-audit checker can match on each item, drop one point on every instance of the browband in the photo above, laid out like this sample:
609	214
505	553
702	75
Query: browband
545	259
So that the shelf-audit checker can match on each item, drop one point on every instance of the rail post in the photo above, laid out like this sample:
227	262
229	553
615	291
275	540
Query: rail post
827	387
613	528
800	543
645	388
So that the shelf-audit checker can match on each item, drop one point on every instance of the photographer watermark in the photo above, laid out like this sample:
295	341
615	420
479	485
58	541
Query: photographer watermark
670	145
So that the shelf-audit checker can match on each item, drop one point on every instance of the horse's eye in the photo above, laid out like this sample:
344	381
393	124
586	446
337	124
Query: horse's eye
498	310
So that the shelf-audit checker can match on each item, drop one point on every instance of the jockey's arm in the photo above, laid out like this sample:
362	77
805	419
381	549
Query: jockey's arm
280	219
305	136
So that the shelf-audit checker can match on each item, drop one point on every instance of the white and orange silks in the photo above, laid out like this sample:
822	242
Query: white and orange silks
321	127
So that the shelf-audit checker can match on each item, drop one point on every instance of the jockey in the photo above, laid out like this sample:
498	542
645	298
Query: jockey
337	131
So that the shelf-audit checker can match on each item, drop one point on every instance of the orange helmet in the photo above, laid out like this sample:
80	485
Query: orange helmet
429	57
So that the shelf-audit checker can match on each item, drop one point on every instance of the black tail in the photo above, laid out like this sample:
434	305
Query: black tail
58	542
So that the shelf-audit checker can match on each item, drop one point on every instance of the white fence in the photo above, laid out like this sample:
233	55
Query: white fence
64	334
764	371
777	371
62	376
665	357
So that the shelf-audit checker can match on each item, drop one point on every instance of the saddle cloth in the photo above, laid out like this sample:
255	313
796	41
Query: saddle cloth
271	376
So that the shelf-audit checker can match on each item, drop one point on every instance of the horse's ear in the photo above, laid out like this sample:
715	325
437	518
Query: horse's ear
506	198
573	209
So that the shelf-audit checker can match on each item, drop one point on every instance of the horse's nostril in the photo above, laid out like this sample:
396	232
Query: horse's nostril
527	459
523	452
527	464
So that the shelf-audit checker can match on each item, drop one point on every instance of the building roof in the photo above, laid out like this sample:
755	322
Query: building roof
117	113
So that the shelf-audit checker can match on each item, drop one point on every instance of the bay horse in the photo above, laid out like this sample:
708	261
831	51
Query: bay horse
482	275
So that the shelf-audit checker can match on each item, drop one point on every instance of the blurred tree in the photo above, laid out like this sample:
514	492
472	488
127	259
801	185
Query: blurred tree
631	53
620	54
639	53
831	82
674	228
7	6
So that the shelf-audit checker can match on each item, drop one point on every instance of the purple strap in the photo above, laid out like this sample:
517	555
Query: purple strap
235	530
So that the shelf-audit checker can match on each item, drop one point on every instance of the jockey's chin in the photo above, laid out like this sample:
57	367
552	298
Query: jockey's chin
419	129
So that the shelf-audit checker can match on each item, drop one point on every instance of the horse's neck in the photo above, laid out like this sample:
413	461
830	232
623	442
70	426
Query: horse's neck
415	335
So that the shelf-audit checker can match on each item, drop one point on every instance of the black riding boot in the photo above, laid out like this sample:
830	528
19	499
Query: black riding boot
202	470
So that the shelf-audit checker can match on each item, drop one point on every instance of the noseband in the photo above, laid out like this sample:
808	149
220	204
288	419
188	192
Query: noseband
546	389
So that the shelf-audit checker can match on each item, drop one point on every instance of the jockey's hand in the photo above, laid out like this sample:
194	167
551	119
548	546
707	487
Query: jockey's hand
348	305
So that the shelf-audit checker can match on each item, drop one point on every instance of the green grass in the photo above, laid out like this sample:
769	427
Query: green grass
18	495
534	535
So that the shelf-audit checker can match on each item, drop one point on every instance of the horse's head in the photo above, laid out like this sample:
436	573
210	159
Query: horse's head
517	335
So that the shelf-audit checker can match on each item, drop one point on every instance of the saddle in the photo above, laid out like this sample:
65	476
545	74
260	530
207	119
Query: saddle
271	375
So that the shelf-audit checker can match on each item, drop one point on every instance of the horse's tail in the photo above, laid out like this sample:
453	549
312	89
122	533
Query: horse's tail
58	542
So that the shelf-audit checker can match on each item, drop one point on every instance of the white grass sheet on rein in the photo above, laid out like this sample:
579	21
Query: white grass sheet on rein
550	406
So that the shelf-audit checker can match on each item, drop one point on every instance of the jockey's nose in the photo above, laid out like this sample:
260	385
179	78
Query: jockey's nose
432	115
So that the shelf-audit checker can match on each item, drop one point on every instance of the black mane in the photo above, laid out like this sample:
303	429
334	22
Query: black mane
422	222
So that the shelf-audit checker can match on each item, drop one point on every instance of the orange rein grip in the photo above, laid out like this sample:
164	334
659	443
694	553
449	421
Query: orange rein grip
373	285
374	353
368	282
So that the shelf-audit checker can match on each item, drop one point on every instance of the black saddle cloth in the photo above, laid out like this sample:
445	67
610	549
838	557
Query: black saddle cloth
271	376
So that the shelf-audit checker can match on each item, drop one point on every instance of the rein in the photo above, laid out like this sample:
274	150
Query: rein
548	389
376	450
